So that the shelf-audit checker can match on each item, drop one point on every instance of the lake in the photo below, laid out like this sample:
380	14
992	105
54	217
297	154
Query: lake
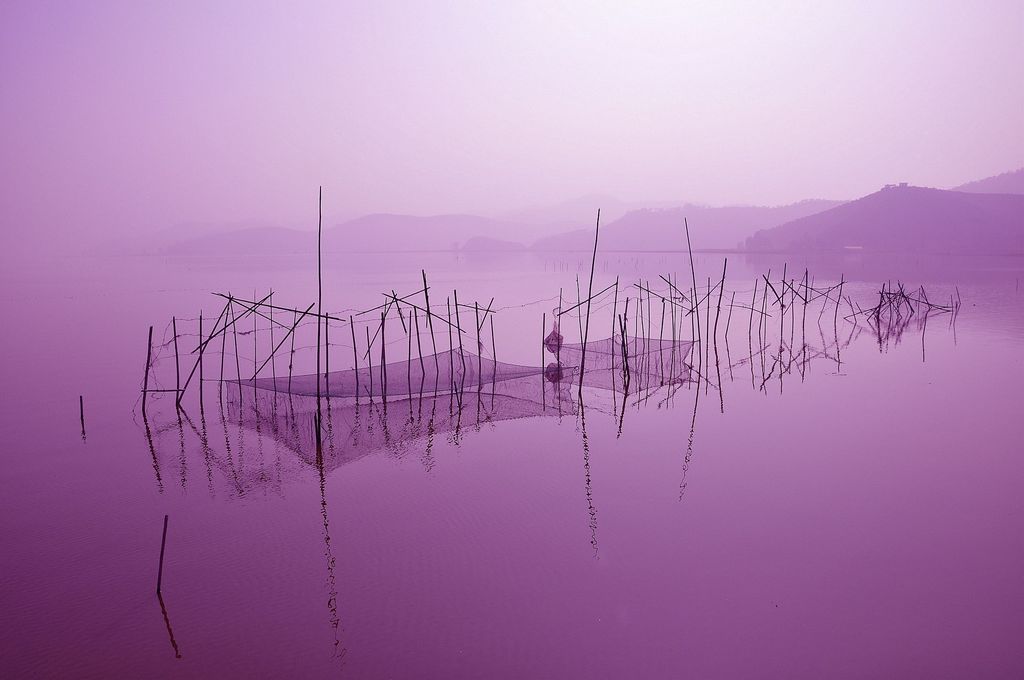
842	504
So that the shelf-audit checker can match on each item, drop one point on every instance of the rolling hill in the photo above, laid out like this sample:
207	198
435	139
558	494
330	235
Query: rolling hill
906	219
662	230
1007	183
369	233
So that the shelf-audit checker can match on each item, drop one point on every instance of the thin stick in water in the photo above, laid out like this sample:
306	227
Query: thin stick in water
160	572
145	376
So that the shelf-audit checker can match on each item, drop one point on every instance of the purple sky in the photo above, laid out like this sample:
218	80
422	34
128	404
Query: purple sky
131	116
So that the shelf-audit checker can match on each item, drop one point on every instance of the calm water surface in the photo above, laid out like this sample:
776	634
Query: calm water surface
859	519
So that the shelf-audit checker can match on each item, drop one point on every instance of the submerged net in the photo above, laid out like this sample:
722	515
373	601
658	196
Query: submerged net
606	364
352	429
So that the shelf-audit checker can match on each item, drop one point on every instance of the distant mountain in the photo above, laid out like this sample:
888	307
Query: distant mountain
579	212
245	241
369	233
906	219
491	245
661	230
1007	183
385	232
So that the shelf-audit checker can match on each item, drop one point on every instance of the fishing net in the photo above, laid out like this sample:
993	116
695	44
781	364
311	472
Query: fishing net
351	429
606	364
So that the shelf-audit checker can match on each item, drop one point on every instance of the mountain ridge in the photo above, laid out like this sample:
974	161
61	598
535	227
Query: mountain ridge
906	219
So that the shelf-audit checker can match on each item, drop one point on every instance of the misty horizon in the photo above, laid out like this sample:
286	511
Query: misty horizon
122	121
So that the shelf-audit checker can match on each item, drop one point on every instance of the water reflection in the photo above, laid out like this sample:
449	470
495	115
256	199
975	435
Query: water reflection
304	434
630	370
167	623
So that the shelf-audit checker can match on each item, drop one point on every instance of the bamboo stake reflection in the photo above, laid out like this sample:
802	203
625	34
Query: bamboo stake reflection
588	489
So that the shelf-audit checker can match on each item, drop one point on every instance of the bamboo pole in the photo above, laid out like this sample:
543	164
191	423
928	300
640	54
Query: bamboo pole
200	361
145	375
590	293
458	322
319	289
494	357
369	361
451	345
255	347
693	276
430	320
273	347
479	348
419	346
383	358
291	332
291	352
355	354
177	370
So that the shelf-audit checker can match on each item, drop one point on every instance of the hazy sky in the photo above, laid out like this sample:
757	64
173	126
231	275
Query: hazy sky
139	115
